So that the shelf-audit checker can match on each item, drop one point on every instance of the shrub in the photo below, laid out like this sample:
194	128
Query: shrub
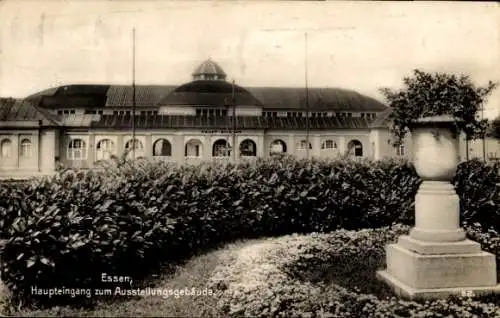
68	229
478	186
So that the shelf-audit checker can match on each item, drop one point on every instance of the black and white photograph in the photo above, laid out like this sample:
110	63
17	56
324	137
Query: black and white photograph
249	158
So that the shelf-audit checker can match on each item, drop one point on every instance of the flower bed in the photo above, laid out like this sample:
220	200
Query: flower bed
275	278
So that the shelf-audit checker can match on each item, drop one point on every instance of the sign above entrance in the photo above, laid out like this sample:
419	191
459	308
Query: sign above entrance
220	131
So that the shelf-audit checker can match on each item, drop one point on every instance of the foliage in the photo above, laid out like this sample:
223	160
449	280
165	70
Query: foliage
435	94
495	128
274	280
478	186
68	229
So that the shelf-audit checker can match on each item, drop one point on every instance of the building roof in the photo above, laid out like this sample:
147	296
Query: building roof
382	120
210	93
333	99
244	122
13	110
271	98
209	67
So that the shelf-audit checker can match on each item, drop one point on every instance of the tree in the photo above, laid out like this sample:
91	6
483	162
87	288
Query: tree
436	94
495	128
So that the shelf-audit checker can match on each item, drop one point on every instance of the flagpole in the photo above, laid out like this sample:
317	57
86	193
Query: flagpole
484	137
133	94
233	104
307	99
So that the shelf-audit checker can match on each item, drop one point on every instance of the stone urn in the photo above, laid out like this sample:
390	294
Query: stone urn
436	259
436	150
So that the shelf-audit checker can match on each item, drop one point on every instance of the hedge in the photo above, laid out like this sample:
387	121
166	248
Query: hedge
68	229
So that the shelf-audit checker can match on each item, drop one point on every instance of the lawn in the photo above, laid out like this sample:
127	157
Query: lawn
194	273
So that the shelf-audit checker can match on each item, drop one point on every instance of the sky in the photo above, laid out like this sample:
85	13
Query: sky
362	46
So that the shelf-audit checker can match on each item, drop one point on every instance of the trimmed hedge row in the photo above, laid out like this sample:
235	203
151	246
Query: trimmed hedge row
69	229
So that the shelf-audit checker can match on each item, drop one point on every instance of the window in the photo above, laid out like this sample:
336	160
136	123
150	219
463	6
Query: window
162	147
198	112
100	112
224	112
59	112
134	144
355	148
248	148
301	145
328	144
400	150
221	148
25	149
6	148
72	112
105	149
277	146
77	150
193	148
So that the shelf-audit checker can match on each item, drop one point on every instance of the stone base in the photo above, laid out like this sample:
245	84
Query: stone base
427	269
405	291
435	248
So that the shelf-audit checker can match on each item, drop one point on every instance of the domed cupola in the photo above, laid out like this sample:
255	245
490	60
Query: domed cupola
209	70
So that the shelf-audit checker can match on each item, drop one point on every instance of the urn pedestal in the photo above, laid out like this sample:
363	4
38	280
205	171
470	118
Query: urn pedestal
436	259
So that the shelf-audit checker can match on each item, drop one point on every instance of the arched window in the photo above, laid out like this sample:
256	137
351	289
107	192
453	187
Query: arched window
221	148
26	148
194	148
105	149
278	146
162	147
134	144
248	148
400	150
77	150
328	144
6	148
355	148
302	145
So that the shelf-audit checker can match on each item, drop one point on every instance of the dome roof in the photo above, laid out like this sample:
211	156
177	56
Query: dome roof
210	93
209	69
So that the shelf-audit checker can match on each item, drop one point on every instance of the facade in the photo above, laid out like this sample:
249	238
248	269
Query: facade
79	125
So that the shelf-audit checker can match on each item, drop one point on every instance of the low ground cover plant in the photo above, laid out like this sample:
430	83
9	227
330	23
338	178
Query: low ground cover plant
68	229
330	275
